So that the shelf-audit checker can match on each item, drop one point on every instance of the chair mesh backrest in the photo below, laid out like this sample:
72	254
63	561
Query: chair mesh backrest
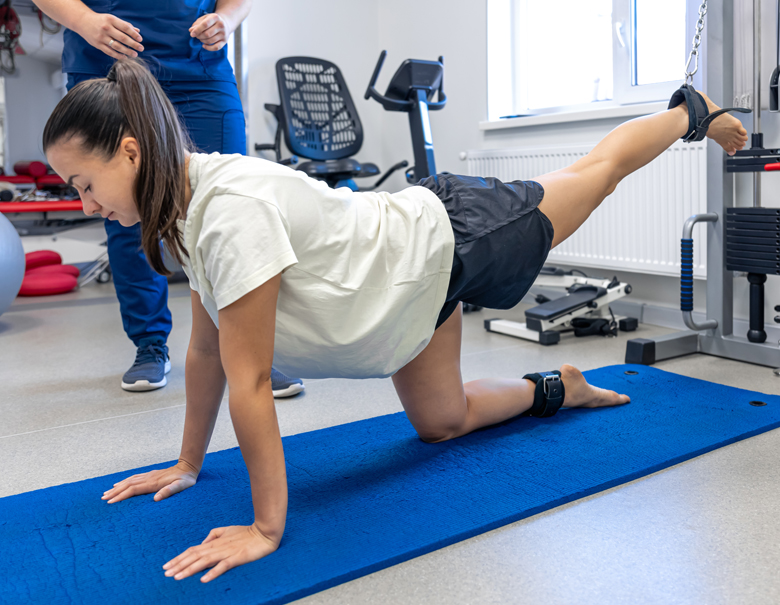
321	122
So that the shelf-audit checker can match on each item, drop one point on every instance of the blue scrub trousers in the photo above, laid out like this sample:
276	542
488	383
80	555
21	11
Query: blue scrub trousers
212	115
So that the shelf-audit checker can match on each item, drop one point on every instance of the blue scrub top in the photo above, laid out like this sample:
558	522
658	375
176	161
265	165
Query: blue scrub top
169	51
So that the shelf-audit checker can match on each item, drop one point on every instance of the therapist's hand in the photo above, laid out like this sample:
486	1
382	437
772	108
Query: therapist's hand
111	35
213	31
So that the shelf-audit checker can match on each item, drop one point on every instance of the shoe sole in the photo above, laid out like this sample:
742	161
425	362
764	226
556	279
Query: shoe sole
145	385
293	389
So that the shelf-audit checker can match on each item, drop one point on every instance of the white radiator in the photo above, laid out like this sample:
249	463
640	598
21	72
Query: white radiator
638	227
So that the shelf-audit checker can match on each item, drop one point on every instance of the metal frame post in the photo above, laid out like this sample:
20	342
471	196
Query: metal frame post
422	141
757	138
718	50
241	59
719	84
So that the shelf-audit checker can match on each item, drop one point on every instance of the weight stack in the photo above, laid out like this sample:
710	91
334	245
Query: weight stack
753	240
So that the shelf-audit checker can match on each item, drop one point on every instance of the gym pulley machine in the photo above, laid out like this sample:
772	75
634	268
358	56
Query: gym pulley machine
738	239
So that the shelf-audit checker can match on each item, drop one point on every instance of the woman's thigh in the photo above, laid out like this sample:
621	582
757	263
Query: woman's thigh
501	238
573	193
430	386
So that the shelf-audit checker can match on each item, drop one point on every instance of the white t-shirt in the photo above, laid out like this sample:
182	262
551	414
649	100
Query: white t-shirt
364	275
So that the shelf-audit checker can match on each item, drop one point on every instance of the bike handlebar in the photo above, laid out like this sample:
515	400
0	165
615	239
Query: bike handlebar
393	104
375	75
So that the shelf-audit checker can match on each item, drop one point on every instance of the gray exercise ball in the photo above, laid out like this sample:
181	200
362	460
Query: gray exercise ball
11	263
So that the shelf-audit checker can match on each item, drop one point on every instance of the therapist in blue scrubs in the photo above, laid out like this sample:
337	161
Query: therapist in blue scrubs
184	44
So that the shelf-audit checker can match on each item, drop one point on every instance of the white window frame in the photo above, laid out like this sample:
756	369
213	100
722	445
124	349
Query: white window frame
623	47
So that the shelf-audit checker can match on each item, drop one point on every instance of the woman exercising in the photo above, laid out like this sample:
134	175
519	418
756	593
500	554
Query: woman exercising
331	283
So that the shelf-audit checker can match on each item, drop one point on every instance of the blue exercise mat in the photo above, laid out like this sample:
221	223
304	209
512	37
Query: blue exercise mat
363	496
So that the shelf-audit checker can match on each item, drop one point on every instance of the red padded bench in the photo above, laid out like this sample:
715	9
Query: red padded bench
44	206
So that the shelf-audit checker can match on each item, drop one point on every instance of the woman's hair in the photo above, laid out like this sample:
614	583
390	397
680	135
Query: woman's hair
130	103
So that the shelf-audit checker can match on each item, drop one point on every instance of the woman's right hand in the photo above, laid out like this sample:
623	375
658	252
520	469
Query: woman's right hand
111	35
164	482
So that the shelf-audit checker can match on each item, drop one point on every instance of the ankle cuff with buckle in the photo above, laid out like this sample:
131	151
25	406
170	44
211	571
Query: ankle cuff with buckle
549	393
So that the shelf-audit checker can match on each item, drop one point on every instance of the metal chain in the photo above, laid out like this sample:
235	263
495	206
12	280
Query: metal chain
696	42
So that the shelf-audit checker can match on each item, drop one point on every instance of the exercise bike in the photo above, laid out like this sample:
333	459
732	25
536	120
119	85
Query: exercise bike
320	123
411	90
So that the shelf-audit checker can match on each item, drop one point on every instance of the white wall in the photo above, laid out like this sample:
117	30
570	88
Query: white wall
37	44
30	98
31	94
410	29
341	31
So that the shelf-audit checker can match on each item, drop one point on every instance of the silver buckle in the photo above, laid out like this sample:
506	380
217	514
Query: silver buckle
548	379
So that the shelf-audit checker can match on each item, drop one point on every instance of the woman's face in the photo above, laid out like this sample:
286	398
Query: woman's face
105	187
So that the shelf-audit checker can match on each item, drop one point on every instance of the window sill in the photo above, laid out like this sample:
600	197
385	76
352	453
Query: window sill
602	113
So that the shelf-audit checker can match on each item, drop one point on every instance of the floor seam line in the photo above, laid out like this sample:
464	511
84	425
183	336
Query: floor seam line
64	426
517	346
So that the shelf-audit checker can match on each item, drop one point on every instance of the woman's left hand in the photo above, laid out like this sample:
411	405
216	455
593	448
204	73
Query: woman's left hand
213	30
223	549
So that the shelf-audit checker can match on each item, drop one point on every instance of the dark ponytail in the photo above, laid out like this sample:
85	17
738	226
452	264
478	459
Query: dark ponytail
130	102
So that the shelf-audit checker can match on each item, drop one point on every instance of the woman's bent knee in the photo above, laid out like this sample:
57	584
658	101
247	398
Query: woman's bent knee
435	437
439	433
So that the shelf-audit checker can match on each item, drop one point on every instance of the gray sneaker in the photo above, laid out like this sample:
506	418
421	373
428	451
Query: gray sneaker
284	386
149	370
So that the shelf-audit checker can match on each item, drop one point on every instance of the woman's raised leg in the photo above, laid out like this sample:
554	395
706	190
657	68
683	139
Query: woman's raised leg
573	193
441	407
430	386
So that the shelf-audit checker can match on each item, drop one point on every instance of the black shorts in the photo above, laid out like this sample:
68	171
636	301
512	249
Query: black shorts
501	239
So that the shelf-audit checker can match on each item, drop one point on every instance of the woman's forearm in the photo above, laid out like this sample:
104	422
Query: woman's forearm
253	413
67	12
205	387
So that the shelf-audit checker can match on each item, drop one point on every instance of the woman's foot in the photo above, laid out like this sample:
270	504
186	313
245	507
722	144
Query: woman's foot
726	130
579	394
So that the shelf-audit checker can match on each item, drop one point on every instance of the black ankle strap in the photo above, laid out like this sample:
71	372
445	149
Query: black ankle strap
696	107
549	393
699	118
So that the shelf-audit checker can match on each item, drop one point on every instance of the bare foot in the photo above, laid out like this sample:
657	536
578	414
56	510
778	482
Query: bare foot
726	130
579	394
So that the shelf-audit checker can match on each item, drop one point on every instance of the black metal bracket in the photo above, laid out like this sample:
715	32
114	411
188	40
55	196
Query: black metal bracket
755	159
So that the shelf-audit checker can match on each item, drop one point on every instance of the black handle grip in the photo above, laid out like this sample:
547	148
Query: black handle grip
375	75
686	274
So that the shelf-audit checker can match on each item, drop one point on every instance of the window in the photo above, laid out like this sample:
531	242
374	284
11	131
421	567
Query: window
558	55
